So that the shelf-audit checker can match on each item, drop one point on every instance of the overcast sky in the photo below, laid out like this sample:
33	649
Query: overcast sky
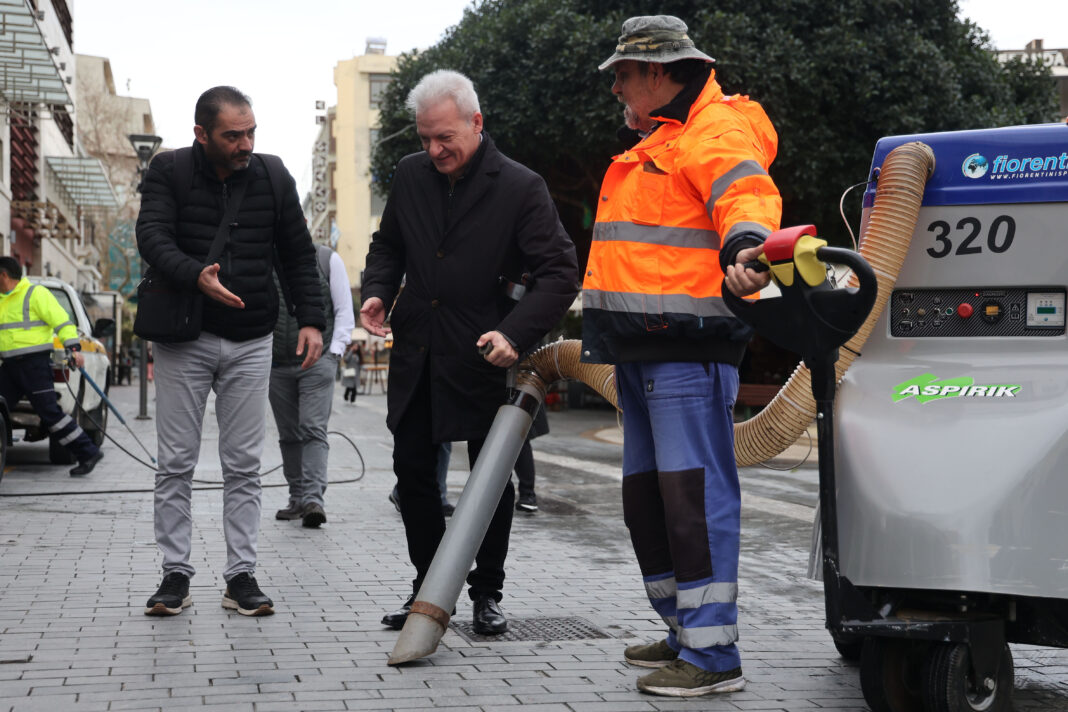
282	53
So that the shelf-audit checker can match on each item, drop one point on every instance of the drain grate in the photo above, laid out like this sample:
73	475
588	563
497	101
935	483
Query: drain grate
546	629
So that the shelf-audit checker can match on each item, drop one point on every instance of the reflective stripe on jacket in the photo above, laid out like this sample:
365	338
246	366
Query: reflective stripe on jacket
667	207
29	314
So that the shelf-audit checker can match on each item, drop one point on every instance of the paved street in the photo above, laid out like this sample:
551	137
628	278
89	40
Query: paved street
78	561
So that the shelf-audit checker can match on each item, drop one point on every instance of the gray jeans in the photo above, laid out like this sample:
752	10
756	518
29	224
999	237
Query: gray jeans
301	401
238	372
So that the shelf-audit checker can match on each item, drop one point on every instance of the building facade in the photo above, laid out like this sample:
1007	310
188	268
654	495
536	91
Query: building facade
52	191
350	197
320	205
106	120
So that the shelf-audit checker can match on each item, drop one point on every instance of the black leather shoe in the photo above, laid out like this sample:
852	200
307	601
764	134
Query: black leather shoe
487	618
395	620
84	468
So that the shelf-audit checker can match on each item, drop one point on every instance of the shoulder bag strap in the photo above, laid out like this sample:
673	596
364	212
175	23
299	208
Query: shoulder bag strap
227	222
182	178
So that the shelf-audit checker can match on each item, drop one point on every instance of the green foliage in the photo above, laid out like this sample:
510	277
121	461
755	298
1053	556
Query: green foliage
833	77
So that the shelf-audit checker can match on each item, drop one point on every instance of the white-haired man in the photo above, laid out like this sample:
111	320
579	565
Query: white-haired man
461	219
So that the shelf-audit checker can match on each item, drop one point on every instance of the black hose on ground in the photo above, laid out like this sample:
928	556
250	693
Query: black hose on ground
203	484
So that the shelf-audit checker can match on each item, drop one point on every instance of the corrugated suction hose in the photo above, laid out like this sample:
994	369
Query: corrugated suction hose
885	243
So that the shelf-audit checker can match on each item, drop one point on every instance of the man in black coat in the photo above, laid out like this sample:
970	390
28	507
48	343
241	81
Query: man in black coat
461	219
183	206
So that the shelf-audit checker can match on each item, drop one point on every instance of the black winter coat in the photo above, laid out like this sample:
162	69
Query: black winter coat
499	221
177	245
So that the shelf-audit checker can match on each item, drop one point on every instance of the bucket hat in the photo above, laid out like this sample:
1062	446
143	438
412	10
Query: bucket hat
654	38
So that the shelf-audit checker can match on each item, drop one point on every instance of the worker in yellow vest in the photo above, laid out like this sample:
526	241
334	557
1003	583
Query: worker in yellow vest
29	314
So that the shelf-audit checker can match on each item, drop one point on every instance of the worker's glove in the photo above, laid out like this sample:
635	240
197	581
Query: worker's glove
72	362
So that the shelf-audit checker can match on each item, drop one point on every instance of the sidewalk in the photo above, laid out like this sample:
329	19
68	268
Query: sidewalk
78	561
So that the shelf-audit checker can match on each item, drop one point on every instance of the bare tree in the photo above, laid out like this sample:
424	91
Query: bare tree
104	121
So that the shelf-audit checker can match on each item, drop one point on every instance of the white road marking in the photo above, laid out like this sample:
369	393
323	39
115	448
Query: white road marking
749	501
573	463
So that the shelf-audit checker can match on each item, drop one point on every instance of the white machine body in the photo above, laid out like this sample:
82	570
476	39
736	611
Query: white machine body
952	427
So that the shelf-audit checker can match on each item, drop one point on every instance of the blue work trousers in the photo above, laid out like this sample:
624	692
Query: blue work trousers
681	501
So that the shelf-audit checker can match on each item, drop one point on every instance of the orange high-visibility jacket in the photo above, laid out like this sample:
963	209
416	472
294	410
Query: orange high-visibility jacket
667	207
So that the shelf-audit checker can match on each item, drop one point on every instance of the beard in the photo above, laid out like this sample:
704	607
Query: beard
635	121
236	161
240	161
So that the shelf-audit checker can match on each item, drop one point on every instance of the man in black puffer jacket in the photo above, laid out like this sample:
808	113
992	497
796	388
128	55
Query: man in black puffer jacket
181	211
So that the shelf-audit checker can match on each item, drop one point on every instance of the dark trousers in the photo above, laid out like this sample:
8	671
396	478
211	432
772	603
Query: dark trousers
415	458
524	464
31	376
524	468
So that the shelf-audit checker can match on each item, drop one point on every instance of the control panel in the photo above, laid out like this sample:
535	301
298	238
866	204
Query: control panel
984	311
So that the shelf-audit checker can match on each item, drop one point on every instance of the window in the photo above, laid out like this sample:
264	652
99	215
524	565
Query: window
378	82
64	301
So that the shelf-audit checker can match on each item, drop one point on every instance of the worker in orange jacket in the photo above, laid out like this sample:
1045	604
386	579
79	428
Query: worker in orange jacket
687	204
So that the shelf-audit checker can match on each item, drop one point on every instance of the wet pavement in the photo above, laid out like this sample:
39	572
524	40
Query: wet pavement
78	561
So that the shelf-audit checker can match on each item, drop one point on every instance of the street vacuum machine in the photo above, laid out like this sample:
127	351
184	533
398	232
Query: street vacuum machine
944	451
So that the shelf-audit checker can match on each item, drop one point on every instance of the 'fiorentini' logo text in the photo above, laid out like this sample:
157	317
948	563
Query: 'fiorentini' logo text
928	388
1006	168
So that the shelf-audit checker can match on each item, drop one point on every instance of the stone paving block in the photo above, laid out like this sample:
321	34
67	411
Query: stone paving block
326	695
133	703
309	706
615	706
48	703
777	705
422	703
568	697
708	703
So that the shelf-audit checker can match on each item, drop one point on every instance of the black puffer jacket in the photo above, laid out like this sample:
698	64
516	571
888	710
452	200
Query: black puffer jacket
177	245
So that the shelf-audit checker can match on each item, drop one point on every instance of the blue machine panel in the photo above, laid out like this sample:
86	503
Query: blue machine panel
1018	164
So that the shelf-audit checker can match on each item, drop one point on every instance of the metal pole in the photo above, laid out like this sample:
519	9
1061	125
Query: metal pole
142	375
142	369
441	587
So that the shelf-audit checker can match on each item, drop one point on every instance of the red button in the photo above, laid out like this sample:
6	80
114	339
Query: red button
965	310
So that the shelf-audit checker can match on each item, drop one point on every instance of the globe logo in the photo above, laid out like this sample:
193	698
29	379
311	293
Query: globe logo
975	166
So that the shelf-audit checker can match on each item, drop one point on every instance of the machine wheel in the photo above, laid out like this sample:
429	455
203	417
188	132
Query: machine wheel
890	674
849	647
949	684
59	454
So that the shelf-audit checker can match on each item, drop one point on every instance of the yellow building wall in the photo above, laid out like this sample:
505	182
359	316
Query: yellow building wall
352	176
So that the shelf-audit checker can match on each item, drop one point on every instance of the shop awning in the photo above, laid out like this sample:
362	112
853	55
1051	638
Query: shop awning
28	70
84	181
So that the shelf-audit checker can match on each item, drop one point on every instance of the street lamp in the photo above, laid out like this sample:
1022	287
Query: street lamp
145	145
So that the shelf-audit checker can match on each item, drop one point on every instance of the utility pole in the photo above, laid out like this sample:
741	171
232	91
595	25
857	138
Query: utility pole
145	145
